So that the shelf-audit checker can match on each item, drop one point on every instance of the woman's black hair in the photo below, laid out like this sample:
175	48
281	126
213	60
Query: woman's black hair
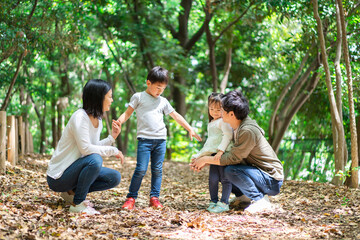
214	98
236	102
93	97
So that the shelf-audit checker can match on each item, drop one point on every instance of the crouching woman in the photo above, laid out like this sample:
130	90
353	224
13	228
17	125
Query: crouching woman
75	168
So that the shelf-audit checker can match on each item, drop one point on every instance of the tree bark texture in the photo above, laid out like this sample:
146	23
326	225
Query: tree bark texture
336	120
354	183
2	141
339	142
299	94
211	40
8	94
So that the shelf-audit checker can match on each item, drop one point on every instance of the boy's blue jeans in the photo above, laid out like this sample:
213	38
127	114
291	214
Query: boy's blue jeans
148	149
252	182
85	175
216	175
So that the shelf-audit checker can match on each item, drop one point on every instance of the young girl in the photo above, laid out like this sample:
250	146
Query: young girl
219	137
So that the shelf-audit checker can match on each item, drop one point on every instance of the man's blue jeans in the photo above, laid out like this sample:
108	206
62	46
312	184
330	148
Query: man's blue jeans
148	149
252	182
85	175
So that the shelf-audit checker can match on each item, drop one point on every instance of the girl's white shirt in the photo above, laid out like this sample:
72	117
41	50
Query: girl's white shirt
219	138
80	138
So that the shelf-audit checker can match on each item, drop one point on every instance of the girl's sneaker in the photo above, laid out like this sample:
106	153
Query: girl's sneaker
211	206
83	208
220	207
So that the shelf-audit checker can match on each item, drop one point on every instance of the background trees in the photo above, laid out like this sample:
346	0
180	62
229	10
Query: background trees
268	49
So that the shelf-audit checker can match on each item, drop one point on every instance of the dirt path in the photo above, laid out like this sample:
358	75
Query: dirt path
304	210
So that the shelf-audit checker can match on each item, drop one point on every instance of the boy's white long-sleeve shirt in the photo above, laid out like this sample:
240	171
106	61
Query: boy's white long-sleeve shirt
80	138
220	135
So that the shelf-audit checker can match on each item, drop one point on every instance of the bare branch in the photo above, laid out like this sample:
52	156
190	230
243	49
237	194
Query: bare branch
233	22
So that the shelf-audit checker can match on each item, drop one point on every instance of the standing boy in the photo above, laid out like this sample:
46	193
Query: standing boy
251	164
150	108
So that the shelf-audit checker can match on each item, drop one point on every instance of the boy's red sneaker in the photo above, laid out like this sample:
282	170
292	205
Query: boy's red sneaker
154	202
129	203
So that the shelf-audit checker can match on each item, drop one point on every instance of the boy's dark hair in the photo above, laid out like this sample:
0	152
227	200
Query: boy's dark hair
214	98
236	102
93	97
158	74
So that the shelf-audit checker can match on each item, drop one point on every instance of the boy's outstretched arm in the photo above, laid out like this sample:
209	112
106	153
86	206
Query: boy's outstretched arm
179	119
125	116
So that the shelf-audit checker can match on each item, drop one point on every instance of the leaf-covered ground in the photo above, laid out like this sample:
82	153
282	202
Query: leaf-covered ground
304	210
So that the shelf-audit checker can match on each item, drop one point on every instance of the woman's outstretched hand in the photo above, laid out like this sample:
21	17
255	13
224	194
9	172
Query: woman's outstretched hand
120	156
116	128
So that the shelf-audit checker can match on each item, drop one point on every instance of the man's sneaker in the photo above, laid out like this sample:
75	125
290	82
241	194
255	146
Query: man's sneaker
259	205
84	209
211	206
220	207
154	202
129	203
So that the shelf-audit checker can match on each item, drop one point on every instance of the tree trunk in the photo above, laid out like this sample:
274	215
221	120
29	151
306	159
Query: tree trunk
340	150
42	122
285	90
297	170
54	129
212	43
297	97
336	120
186	43
65	88
227	66
358	133
179	95
8	94
354	182
3	125
143	42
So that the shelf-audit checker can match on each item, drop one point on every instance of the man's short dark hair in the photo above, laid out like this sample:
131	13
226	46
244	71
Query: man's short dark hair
236	102
93	97
158	74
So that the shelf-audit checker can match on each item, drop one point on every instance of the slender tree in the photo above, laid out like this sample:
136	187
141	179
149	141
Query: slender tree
336	120
212	40
340	150
354	182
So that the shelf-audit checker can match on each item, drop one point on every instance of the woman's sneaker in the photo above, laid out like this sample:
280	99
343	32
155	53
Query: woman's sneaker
211	206
83	208
69	199
220	207
260	205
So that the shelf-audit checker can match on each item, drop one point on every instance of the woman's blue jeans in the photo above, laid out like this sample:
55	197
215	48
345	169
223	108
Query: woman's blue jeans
216	175
252	182
148	149
85	175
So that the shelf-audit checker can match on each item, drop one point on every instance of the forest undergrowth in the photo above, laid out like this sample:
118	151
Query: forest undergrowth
303	210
